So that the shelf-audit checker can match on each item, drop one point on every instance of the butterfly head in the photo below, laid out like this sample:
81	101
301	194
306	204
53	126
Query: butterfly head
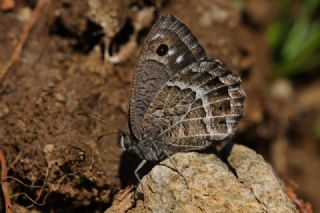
124	141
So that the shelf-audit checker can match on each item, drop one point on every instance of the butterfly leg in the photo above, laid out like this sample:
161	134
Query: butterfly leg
138	168
141	164
175	168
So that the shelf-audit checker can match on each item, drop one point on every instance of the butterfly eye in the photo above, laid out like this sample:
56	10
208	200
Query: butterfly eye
162	49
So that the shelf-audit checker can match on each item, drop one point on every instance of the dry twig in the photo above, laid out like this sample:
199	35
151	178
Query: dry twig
42	188
40	192
4	184
6	5
34	202
23	38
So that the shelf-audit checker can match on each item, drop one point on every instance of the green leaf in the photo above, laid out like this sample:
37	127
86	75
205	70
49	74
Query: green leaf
317	129
295	39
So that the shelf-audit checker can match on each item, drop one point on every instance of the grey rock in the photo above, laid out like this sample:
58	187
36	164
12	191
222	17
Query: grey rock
246	183
256	174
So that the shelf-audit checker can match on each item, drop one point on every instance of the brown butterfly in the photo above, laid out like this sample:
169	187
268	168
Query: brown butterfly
180	100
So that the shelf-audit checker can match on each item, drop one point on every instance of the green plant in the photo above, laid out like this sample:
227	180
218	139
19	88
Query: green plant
295	38
317	129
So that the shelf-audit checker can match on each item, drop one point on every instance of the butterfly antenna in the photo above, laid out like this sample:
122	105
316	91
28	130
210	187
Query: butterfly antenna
104	135
99	119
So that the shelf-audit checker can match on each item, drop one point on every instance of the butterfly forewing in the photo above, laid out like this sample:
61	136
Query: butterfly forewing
169	47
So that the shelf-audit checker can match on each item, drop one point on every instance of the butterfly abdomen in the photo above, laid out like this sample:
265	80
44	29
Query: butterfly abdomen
150	150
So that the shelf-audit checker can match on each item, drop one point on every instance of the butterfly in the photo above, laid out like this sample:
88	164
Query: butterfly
180	100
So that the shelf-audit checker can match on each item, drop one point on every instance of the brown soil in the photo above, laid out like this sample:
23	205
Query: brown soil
60	74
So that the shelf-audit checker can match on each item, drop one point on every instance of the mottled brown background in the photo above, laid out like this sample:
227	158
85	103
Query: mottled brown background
60	73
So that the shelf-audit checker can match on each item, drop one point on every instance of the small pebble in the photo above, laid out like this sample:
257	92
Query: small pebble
21	125
24	14
48	149
59	97
4	110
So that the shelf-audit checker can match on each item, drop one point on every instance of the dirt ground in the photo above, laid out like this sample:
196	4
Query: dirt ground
61	72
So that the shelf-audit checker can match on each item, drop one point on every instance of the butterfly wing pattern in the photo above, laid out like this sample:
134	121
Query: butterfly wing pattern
180	99
155	69
203	104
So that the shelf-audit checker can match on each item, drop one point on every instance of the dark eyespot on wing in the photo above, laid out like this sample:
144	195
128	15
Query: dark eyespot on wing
162	49
172	23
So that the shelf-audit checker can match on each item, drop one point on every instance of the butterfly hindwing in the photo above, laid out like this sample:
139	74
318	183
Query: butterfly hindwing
199	104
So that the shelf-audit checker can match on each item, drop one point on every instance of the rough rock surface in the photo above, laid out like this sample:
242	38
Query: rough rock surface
245	183
257	175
